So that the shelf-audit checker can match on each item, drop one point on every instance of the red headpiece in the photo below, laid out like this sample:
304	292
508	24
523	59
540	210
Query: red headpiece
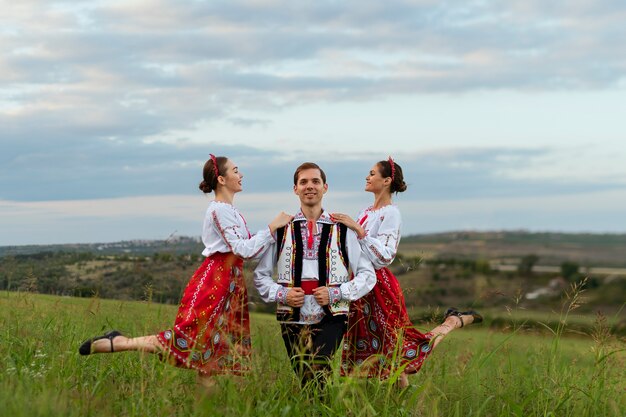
214	159
393	168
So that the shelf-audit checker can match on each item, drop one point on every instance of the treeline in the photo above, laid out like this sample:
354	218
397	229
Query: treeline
162	276
446	281
159	277
526	237
174	245
569	270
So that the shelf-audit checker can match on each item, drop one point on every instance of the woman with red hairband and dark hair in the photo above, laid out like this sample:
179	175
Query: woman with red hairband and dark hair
381	338
211	333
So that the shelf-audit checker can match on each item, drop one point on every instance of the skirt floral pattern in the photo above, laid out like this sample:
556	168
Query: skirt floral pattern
381	338
211	333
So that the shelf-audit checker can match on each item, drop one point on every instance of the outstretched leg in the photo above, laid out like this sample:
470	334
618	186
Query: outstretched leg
207	386
454	319
121	343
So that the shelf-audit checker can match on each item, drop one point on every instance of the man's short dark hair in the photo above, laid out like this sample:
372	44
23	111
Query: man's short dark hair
308	165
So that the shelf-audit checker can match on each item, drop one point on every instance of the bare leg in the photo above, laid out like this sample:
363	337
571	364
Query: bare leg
147	344
451	323
439	332
207	386
403	381
214	385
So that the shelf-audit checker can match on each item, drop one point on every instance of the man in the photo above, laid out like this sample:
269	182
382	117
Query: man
320	270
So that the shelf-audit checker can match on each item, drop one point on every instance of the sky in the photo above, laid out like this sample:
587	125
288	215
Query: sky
504	115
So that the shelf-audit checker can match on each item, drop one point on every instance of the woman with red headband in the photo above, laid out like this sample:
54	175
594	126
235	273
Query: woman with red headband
380	337
211	333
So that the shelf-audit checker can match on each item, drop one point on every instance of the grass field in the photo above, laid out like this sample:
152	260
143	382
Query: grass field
474	372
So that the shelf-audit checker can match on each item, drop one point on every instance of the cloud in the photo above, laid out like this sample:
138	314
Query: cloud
246	122
144	68
82	169
592	211
157	217
70	169
170	64
126	99
141	217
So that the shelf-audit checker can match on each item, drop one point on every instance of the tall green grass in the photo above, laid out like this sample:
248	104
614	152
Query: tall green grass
473	372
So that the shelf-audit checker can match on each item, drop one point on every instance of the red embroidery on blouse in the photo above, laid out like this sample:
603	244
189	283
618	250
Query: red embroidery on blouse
379	255
310	250
245	224
309	242
235	228
221	230
386	237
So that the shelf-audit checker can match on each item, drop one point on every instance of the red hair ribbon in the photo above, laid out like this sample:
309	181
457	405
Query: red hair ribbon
393	168
214	159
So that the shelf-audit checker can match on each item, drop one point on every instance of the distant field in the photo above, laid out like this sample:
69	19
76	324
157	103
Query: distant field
604	250
587	249
435	271
476	371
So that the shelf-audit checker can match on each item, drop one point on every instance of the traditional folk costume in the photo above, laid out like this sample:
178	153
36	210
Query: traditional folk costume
309	255
211	333
380	335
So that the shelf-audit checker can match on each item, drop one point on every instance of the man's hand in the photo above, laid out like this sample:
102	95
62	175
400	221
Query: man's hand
295	297
321	296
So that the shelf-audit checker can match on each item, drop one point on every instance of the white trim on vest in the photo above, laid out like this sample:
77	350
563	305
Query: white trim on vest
336	272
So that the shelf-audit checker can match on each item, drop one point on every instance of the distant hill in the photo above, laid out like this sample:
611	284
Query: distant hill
587	249
486	269
176	245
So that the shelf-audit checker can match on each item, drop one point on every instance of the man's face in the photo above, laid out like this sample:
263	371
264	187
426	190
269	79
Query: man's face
310	188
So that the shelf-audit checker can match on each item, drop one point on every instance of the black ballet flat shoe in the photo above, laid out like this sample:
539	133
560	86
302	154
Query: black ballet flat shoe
85	348
454	312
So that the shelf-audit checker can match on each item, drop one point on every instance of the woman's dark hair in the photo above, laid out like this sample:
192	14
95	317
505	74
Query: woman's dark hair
397	184
209	181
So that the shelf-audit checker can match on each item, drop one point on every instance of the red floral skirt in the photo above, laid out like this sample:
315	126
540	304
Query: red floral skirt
381	338
211	333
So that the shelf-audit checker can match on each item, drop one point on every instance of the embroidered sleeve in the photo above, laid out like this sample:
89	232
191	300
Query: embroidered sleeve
266	286
362	220
381	245
334	294
281	295
364	278
233	231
